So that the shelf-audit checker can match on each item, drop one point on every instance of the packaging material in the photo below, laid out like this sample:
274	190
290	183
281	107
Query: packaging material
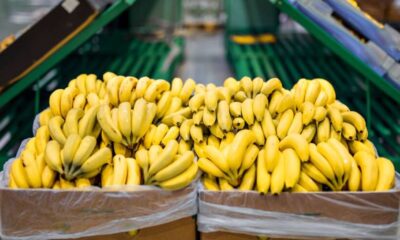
182	229
239	236
44	37
368	52
63	214
383	35
358	215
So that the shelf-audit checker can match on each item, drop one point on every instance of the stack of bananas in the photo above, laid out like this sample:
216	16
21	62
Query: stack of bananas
255	135
246	135
111	132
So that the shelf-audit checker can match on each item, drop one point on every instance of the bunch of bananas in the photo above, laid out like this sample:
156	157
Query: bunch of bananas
271	139
94	129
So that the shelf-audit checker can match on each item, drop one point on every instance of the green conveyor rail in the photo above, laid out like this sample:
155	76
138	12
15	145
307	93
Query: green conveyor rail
104	18
336	47
293	56
132	57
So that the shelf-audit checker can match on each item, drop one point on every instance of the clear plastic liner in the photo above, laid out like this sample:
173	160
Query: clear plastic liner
354	215
62	214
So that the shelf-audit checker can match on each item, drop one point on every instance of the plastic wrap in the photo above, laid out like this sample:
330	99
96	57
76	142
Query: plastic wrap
354	215
61	214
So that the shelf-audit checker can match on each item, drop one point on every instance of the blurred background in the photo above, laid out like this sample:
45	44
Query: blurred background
207	40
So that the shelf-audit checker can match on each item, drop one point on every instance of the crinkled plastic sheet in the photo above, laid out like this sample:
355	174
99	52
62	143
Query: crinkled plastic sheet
291	215
61	214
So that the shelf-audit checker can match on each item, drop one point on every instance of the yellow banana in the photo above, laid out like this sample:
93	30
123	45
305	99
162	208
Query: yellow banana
250	157
307	183
328	89
300	92
196	102
161	131
120	170
217	131
145	125
298	143
345	156
55	129
174	106
98	159
187	90
267	125
322	99
309	132
142	158
276	98
134	174
41	139
210	183
355	119
240	96
155	89
154	151
70	148
176	87
164	104
209	167
270	86
349	131
165	157
247	111
227	140
235	109
292	167
271	151
172	134
125	119
79	101
321	163
184	130
225	185
314	173
258	133
258	83
333	158
386	174
107	176
308	110
177	167
225	94
369	170
67	99
184	146
82	183
55	102
313	90
18	173
45	116
247	86
107	125
33	172
139	113
334	134
336	118
278	176
85	149
323	131
232	84
80	83
48	177
284	124
126	88
196	133
297	124
64	184
141	86
239	145
354	181
52	156
88	122
71	124
209	117
285	103
263	177
238	123
320	114
259	105
248	179
182	180
223	116
215	156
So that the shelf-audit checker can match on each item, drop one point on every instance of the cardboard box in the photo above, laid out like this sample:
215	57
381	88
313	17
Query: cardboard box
237	236
374	208
26	213
43	38
376	8
183	229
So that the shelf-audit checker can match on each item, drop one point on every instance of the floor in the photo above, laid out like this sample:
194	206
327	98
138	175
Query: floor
205	60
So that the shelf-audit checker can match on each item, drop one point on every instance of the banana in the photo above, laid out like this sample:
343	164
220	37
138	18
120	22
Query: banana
275	99
258	83
232	84
161	131
142	158
209	167
176	87
259	106
321	163
72	83
200	88
334	134
155	89
177	167
165	157
45	116
363	136
299	189
55	129
184	146
187	90
278	176
284	124
320	114
211	100
240	96
145	125
217	131
164	104
300	90
33	173
370	146
172	134
270	86
292	167
57	185
55	102
80	83
308	110
41	139
141	86
349	131
248	179
225	185
210	183
134	174
174	106
125	119
323	131
107	125
271	151
18	173
196	102
249	158
298	143
336	118
333	158
258	133
90	174
345	157
107	176
70	148
263	177
238	123
235	109
64	184
239	145
88	122
223	116
267	125
227	140
285	103
224	94
154	151
322	99
95	161
247	111
357	146
196	133
79	101
307	183
184	130
369	170
182	180
139	113
313	90
354	181
355	119
213	141
209	117
93	100
67	100
297	124
71	124
82	183
309	132
328	89
315	174
120	170
340	106
215	156
85	149
52	156
48	177
121	149
31	145
386	174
